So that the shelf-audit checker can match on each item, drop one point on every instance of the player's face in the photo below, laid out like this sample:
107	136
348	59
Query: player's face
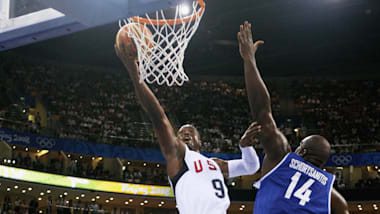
190	137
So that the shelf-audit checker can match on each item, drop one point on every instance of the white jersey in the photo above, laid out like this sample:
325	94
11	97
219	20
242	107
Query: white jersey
199	186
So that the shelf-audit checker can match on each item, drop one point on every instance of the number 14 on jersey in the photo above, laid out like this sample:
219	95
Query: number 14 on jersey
303	193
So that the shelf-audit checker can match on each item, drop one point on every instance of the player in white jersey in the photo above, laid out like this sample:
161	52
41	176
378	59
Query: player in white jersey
197	181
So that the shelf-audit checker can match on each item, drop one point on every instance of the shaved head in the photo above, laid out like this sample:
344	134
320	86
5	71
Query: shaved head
314	149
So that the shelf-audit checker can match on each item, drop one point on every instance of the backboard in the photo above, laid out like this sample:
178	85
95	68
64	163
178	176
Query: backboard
27	21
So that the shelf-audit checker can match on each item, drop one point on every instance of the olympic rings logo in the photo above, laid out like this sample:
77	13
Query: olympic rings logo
342	159
46	142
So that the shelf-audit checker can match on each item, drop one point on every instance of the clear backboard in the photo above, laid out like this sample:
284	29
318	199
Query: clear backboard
27	21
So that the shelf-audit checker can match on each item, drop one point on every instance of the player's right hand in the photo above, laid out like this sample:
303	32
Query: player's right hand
250	136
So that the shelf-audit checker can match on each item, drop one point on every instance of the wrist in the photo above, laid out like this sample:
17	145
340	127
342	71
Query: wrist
250	61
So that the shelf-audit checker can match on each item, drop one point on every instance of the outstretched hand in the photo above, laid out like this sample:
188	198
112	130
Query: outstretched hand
249	137
246	46
128	56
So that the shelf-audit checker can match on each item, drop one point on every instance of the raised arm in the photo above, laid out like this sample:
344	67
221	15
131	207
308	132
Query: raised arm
273	141
171	148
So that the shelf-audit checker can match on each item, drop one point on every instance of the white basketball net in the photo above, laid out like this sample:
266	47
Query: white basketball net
164	62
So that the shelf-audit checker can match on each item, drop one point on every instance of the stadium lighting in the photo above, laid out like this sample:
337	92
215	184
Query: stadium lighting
41	153
184	9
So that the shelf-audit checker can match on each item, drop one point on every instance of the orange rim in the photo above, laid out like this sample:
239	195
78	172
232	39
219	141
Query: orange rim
172	21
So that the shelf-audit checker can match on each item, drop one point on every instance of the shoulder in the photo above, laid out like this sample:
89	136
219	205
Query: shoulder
338	203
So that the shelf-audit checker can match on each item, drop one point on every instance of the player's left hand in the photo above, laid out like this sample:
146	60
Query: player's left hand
246	46
249	137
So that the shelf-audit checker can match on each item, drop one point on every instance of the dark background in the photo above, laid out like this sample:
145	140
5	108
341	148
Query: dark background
302	37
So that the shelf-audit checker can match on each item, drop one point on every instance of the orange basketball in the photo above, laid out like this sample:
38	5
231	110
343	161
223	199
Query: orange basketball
138	30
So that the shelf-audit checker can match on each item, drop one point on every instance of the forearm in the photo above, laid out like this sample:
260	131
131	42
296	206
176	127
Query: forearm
247	165
258	95
147	99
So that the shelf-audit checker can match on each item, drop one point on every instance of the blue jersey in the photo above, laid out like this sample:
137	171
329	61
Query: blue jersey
294	186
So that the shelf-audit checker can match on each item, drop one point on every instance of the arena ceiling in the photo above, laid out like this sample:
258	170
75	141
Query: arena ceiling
302	37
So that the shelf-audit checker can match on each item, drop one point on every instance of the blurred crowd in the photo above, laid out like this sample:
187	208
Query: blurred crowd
100	106
12	204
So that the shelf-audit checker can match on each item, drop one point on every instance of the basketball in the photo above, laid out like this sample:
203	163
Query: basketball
140	32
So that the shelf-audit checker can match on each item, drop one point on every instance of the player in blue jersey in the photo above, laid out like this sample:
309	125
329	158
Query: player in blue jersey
291	182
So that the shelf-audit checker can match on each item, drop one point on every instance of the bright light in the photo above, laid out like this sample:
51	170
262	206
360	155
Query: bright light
97	197
48	191
23	191
65	193
142	204
43	152
82	195
30	189
126	202
184	9
144	164
146	201
92	199
8	189
130	200
160	205
16	187
39	199
42	193
107	201
158	165
26	149
77	197
111	198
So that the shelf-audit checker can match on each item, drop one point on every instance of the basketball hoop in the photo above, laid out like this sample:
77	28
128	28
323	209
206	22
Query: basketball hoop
163	63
